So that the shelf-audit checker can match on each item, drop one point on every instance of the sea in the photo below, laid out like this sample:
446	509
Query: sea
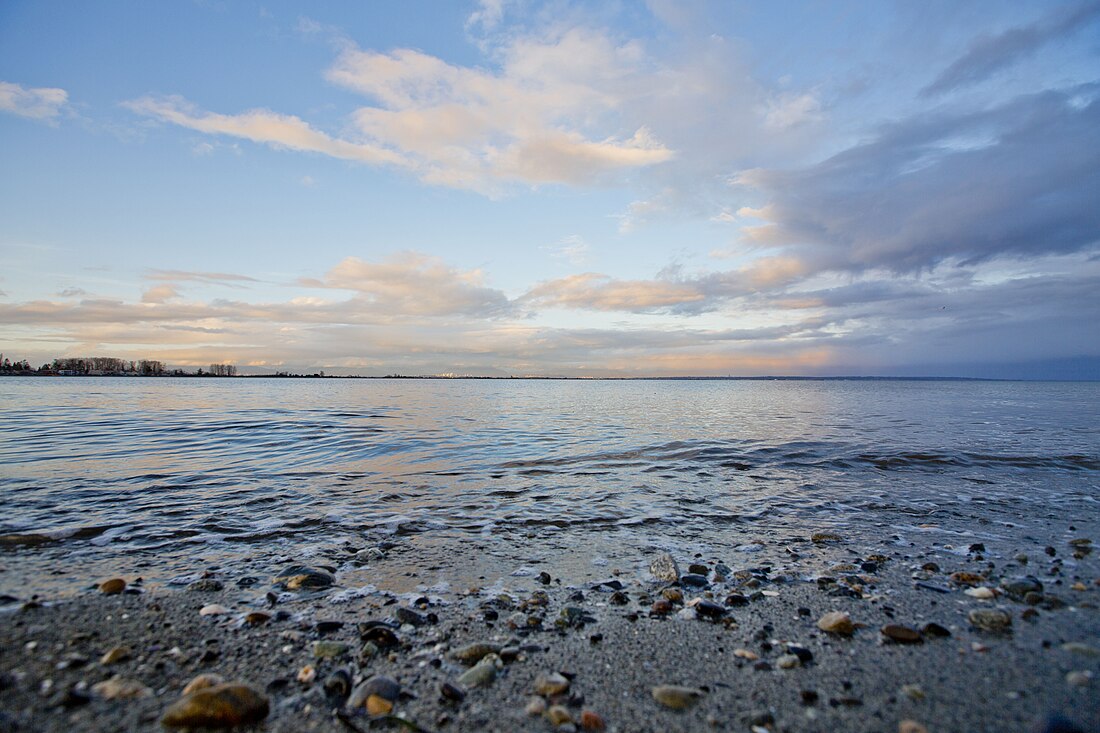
481	480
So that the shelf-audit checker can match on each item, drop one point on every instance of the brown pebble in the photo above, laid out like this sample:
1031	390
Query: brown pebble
378	705
901	634
112	587
257	618
549	685
221	706
592	721
911	726
115	655
965	578
558	715
676	697
202	682
836	622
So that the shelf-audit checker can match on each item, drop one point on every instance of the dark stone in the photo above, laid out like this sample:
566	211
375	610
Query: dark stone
935	630
901	634
1019	589
619	598
698	568
612	584
544	578
694	580
736	599
206	585
378	633
804	655
977	547
808	697
408	616
452	692
328	627
338	684
710	609
869	567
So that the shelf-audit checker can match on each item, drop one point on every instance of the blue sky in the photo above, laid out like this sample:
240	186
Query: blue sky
514	187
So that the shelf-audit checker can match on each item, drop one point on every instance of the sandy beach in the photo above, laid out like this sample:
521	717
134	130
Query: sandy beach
941	638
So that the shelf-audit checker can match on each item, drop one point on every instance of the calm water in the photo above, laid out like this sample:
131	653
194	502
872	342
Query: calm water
165	469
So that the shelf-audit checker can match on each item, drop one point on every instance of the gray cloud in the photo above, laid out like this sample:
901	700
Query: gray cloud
1015	180
989	54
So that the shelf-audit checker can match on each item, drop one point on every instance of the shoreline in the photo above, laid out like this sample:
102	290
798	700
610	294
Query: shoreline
612	656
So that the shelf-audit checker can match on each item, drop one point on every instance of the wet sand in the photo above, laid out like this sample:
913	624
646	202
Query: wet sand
1046	664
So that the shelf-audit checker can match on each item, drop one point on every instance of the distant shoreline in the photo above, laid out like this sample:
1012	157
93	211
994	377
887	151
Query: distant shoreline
529	378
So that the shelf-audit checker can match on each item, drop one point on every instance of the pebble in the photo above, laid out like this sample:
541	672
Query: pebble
409	616
558	715
1079	678
901	634
548	685
307	674
330	649
591	720
805	656
206	585
1076	647
989	619
377	695
822	537
379	634
1020	588
121	688
112	587
913	692
535	706
710	609
698	568
473	653
836	622
203	681
257	618
983	593
675	696
911	726
482	673
663	567
746	654
298	577
673	595
221	706
213	609
788	661
452	692
935	630
115	655
964	578
694	580
736	599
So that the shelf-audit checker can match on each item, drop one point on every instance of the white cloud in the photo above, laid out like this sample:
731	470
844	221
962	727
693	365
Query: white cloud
572	249
41	103
411	283
556	108
487	17
261	126
160	294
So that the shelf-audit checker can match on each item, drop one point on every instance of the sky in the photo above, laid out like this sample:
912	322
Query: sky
512	187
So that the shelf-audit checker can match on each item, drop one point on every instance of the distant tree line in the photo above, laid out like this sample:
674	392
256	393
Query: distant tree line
108	366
